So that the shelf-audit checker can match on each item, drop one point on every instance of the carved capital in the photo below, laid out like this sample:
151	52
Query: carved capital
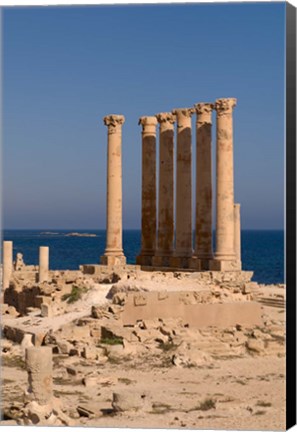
225	106
166	117
203	108
183	112
147	121
148	125
114	122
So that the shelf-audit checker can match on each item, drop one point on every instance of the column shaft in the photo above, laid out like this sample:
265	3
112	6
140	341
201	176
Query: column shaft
7	263
203	228
114	251
225	255
237	232
43	263
183	245
148	210
39	364
166	190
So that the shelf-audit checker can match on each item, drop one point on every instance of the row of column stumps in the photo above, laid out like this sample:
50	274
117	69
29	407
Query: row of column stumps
7	261
157	247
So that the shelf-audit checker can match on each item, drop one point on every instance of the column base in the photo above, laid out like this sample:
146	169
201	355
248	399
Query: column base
180	262
144	260
195	263
161	261
224	265
113	260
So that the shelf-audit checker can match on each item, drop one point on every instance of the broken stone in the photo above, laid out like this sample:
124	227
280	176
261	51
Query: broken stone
125	400
90	353
255	345
46	310
85	411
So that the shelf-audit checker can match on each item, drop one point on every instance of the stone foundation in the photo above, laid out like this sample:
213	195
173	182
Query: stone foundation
193	308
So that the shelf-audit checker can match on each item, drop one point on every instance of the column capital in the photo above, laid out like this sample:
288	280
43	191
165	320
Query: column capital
149	125
114	122
183	112
166	117
225	106
203	108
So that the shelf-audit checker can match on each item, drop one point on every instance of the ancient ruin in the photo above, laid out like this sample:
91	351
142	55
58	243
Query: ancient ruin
184	332
160	247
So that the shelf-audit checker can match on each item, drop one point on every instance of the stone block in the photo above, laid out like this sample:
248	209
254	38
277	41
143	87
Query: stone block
127	400
224	265
144	260
140	300
46	310
196	264
180	262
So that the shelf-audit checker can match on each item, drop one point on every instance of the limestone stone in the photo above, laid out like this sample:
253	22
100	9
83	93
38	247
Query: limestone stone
46	310
127	400
166	190
237	234
114	254
203	232
225	259
43	263
148	211
183	236
40	374
19	262
7	263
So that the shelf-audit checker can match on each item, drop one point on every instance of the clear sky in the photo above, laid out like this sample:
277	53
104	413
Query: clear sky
65	68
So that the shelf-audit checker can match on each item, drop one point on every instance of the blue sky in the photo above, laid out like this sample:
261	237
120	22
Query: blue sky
65	68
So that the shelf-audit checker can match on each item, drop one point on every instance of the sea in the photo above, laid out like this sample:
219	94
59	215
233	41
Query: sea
262	251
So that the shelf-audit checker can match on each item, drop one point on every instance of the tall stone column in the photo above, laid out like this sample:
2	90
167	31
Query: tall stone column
166	191
224	256
148	211
203	227
183	240
7	263
39	362
43	263
113	254
237	233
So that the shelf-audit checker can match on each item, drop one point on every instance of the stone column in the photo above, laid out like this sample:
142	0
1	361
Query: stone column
43	263
203	227
7	263
183	240
166	191
237	233
224	256
113	254
148	211
39	364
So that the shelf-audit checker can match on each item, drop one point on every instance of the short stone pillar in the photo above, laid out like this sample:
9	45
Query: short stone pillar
113	254
237	233
148	201
203	227
39	364
43	263
7	263
165	243
183	236
224	256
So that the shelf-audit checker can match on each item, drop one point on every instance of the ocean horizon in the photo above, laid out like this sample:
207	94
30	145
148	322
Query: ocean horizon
262	250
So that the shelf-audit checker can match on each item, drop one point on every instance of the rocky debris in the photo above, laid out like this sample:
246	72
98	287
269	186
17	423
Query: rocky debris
19	262
9	310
